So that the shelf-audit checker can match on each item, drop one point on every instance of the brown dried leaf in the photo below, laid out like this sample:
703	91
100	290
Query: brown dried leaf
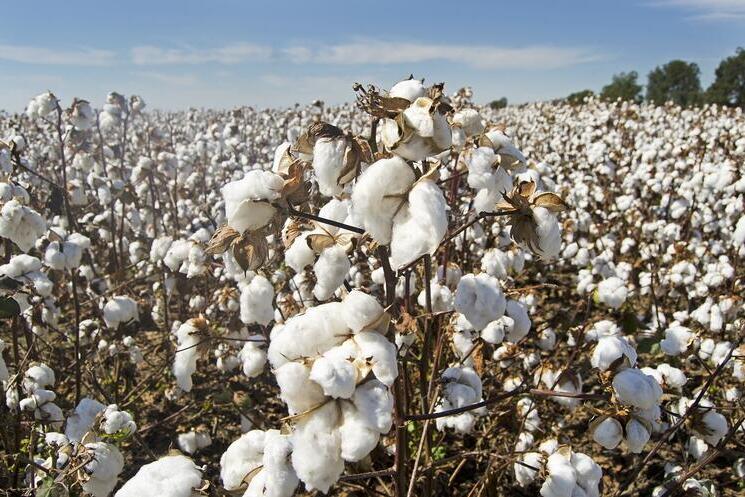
394	104
221	240
250	251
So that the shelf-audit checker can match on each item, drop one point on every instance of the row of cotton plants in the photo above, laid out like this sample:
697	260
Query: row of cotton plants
408	295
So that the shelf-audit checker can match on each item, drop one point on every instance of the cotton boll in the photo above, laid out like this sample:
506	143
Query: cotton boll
524	473
374	403
611	349
336	376
21	225
516	311
192	441
612	292
608	433
479	298
380	353
420	225
170	476
360	310
672	377
469	120
241	458
300	255
82	420
712	428
676	341
562	477
253	359
316	454
410	89
120	310
330	269
189	337
377	196
637	436
632	387
256	301
38	377
358	439
247	201
116	421
277	478
495	331
297	390
104	469
328	164
548	232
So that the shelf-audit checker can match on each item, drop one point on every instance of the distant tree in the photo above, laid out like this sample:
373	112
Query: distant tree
623	86
578	97
677	82
728	87
498	104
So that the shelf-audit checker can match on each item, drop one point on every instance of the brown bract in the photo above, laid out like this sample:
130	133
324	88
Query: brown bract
519	205
249	249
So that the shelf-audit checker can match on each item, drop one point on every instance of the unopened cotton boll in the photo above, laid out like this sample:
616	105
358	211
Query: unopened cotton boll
170	476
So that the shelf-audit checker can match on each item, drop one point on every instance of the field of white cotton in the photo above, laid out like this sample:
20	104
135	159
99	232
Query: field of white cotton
408	295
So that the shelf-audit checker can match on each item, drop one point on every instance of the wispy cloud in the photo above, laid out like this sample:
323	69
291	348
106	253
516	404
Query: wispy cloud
708	10
169	79
477	56
52	56
228	54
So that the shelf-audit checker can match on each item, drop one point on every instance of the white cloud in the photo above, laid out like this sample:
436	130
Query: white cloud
170	79
228	54
708	10
477	56
51	56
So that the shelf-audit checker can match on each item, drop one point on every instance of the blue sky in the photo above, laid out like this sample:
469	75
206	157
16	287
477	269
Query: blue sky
224	53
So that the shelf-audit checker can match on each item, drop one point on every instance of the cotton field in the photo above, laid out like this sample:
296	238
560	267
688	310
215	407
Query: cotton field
408	295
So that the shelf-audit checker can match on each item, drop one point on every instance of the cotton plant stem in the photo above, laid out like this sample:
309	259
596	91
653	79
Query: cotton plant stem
330	222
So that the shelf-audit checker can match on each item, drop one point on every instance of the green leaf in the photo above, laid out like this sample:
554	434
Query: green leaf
9	307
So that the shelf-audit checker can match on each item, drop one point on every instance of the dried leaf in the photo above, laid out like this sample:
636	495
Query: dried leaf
250	251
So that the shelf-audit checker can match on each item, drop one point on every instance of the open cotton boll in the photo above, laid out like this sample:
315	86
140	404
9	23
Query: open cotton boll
410	89
256	301
676	341
103	470
336	376
21	225
241	458
119	310
516	311
610	349
420	225
379	193
277	478
299	255
376	350
331	268
482	165
562	477
297	390
549	234
192	441
374	402
38	377
612	292
253	358
637	436
328	164
524	473
672	377
360	310
170	476
308	335
116	421
316	454
504	147
633	387
462	388
479	298
82	420
188	339
469	120
358	439
608	433
247	201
